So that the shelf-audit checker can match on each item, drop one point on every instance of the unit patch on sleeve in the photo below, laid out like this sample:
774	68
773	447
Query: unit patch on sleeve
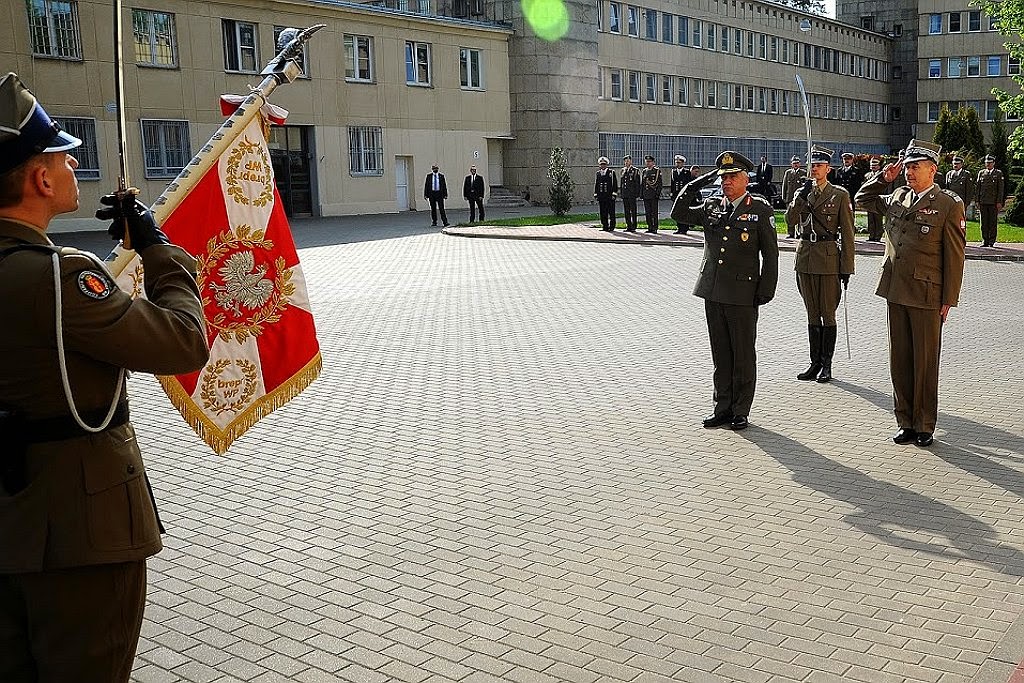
94	285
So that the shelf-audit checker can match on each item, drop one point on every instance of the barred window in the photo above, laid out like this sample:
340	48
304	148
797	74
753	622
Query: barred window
54	28
240	52
365	150
87	154
165	146
155	43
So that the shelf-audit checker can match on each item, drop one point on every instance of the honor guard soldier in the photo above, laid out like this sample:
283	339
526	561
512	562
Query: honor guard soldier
875	226
629	190
680	176
921	276
739	274
824	259
792	180
959	180
848	176
606	189
991	193
77	518
651	186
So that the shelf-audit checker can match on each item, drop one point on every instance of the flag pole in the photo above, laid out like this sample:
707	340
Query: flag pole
283	68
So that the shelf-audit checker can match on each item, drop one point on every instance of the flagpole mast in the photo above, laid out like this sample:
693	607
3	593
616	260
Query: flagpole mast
283	68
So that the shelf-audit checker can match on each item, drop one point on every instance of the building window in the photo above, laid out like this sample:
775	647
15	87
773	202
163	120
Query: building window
1013	66
417	63
302	54
993	65
762	100
897	30
934	23
698	92
165	146
365	150
934	68
750	43
652	24
750	98
723	45
954	22
775	101
684	91
668	29
698	28
239	46
762	46
470	73
992	24
651	88
684	30
54	28
358	58
712	91
897	114
633	25
87	155
974	66
614	17
737	97
634	86
775	49
974	20
785	103
723	95
867	23
666	89
616	84
155	43
991	107
954	66
712	40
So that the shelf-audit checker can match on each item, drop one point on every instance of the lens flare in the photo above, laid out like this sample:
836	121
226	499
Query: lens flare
549	19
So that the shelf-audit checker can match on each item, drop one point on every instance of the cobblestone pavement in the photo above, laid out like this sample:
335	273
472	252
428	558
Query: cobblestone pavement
501	476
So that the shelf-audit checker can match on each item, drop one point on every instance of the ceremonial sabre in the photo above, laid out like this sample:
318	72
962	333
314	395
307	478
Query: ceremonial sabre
282	68
846	317
123	189
807	115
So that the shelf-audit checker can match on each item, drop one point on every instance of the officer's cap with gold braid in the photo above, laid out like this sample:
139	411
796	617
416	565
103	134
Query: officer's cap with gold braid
921	150
733	162
821	155
25	128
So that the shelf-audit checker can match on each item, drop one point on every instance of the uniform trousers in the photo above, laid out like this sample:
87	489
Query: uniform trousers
732	330
78	625
875	226
915	340
651	213
629	209
607	208
989	223
821	297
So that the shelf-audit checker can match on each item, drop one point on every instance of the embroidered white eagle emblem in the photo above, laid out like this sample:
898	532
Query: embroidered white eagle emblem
244	284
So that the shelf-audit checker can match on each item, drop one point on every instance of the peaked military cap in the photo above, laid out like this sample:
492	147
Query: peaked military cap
680	157
648	158
733	162
875	161
795	158
25	127
602	160
821	155
921	150
957	159
847	155
628	156
989	158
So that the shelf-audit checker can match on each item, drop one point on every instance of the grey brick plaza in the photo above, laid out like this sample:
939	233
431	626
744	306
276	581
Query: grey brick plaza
501	475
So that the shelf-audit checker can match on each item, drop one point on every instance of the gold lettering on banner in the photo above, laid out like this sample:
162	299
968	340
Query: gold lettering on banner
225	389
249	175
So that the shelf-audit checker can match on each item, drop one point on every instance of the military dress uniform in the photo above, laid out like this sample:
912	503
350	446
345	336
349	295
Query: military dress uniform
629	190
792	179
606	188
848	177
922	271
991	193
876	227
651	186
962	184
739	273
824	256
680	177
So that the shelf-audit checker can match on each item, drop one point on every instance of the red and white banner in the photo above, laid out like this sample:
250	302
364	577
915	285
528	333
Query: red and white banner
263	345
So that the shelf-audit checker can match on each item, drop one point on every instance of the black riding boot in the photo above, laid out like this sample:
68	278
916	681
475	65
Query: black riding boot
814	335
828	349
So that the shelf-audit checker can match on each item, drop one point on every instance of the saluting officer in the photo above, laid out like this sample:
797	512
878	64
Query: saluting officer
921	278
792	180
739	273
959	180
875	226
606	189
77	518
991	193
680	176
629	190
652	185
824	259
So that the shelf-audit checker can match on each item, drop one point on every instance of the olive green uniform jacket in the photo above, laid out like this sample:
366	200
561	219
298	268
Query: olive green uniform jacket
990	186
87	500
962	183
831	216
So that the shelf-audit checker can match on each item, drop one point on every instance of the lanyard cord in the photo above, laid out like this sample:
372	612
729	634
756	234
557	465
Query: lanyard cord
63	362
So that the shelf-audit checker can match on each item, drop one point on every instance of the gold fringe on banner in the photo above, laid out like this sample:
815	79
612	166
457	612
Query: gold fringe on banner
221	439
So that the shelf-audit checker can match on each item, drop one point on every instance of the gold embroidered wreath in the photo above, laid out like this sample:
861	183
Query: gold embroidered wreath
236	174
209	395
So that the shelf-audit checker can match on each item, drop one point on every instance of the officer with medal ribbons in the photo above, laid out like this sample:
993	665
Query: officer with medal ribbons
922	272
652	185
738	274
77	517
824	258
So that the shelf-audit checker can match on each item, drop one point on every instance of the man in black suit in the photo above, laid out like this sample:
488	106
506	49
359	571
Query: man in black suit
763	178
473	191
435	190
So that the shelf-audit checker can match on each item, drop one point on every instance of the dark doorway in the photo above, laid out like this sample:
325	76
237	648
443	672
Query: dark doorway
289	154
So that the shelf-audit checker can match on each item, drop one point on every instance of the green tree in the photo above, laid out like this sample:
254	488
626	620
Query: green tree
974	139
999	147
1015	213
560	195
810	6
944	129
1008	16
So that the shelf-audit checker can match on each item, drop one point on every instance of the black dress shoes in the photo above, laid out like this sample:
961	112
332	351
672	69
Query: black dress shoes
905	435
739	422
712	421
924	439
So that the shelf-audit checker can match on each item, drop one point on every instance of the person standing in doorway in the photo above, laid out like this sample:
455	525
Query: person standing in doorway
473	191
435	190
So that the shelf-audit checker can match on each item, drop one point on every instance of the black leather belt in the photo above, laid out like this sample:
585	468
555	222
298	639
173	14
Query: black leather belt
817	237
65	427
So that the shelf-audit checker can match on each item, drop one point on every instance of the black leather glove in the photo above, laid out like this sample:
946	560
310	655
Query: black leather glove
128	211
703	180
845	279
805	191
761	300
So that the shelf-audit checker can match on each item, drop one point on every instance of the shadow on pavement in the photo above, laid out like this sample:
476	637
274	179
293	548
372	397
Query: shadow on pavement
884	509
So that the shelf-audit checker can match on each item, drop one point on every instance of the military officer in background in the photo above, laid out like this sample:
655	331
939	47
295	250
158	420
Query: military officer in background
875	225
959	180
792	181
848	176
680	176
738	275
606	189
991	192
77	518
651	186
629	190
921	276
824	259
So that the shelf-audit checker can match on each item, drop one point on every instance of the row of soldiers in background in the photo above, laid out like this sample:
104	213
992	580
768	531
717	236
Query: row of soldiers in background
635	184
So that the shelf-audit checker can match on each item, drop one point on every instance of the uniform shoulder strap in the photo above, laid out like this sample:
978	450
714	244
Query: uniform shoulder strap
44	248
